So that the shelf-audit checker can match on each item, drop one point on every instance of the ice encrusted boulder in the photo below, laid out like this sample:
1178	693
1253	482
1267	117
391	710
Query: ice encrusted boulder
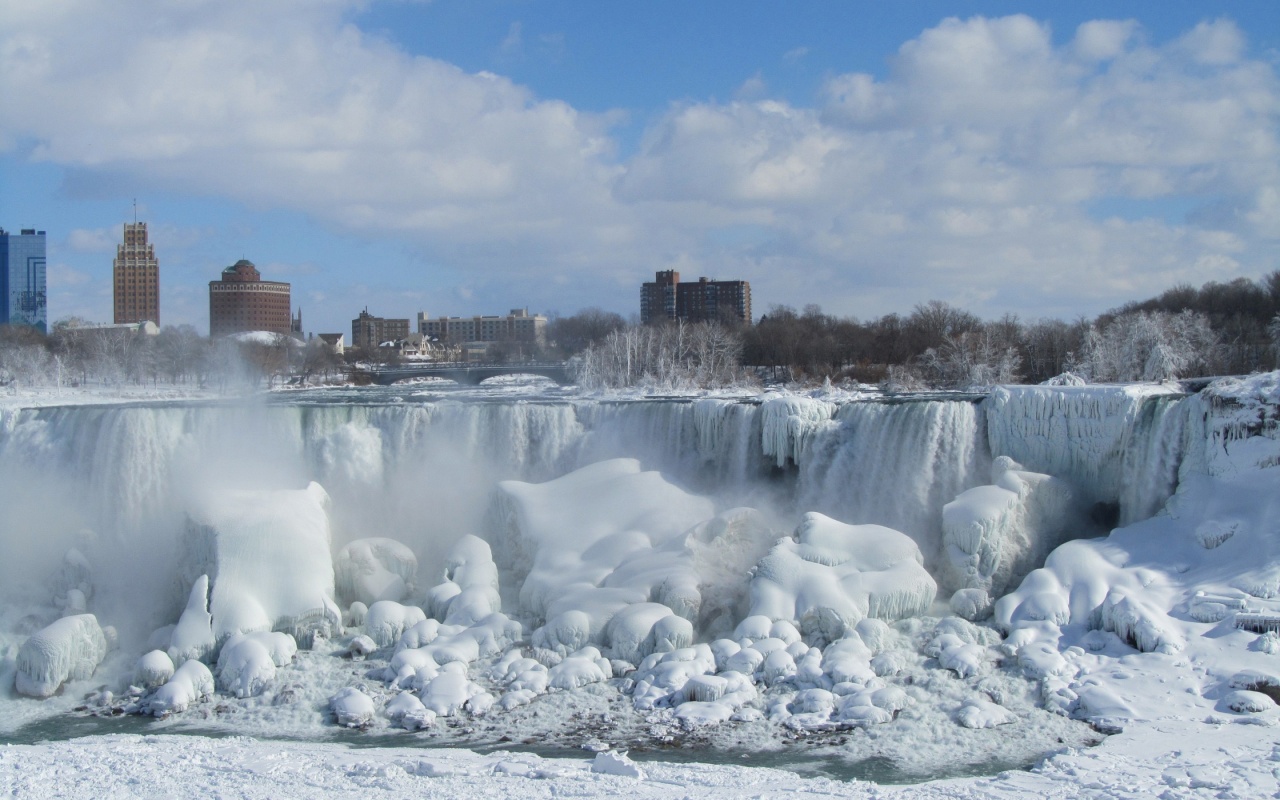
190	683
831	575
153	669
248	661
369	570
69	649
994	535
587	546
387	620
268	560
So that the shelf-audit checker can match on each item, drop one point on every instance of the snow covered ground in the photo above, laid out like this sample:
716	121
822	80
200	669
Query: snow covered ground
899	620
1172	759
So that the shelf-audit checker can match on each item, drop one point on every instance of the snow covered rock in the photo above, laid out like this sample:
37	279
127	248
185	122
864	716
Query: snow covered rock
352	708
153	669
68	649
387	620
369	570
407	711
613	763
832	575
267	557
983	714
190	683
248	661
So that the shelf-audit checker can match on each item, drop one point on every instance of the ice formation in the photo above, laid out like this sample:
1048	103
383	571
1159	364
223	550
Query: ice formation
831	575
268	560
635	588
369	570
69	649
994	535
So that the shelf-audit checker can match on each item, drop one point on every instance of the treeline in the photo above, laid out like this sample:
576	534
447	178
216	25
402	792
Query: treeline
1220	328
75	353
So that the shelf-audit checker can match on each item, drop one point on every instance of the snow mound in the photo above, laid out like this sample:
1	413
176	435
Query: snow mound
612	763
387	620
193	636
352	708
68	649
268	560
369	570
832	575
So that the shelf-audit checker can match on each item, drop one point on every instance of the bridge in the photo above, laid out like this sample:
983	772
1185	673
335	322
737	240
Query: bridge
468	374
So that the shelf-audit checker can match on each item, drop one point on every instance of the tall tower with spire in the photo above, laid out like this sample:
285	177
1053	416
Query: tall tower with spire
136	277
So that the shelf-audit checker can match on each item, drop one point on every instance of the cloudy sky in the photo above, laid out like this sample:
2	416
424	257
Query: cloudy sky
1051	159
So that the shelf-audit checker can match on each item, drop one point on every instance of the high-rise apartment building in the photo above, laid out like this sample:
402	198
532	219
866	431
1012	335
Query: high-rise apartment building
666	297
23	293
136	277
242	301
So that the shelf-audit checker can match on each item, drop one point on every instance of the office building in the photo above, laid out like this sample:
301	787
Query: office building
136	277
241	301
705	300
22	279
368	331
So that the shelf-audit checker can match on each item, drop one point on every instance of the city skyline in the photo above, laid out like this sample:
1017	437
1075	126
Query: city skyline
406	156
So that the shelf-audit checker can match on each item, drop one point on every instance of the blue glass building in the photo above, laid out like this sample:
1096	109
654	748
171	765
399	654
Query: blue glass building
23	298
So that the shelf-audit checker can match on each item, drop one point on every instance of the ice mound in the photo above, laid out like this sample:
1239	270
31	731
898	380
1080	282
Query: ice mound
268	560
369	570
469	592
352	708
69	649
589	552
190	683
831	575
153	669
248	661
387	620
994	535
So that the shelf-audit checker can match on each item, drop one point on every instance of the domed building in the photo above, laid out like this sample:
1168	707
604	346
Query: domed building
242	301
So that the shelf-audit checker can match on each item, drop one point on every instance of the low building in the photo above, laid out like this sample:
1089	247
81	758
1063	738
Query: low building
518	326
241	302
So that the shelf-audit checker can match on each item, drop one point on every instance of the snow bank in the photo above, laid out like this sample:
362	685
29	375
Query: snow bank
831	575
267	557
69	649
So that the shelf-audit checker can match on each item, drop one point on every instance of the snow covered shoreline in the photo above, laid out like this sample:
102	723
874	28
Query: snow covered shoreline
1165	759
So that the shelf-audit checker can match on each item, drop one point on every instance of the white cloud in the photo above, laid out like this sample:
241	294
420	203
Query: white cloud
967	173
97	240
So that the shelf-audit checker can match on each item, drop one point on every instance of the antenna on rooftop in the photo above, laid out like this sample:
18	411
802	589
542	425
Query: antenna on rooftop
135	211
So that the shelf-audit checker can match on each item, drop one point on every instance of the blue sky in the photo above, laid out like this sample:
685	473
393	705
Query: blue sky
1051	159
